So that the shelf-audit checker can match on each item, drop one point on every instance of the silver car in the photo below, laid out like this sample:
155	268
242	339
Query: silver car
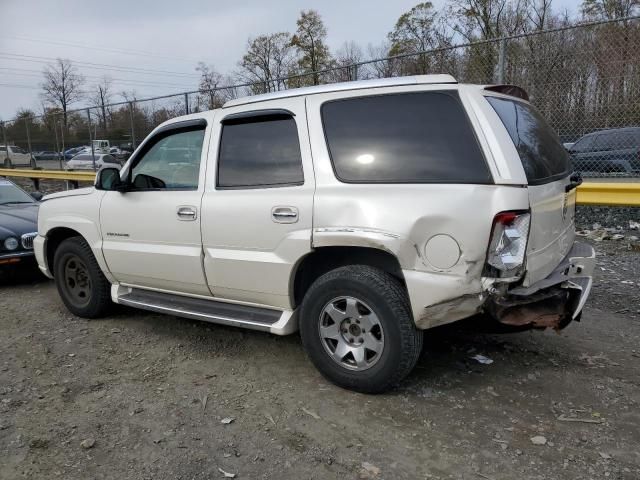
85	161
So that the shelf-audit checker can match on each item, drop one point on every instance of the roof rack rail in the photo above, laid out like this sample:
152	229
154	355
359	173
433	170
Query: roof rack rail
336	87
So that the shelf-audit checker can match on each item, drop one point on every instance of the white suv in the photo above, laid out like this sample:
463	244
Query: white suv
14	156
361	213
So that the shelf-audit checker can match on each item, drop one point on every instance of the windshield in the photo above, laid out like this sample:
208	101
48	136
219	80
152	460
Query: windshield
9	193
543	157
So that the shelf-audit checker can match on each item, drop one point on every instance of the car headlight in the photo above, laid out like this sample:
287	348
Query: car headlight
11	243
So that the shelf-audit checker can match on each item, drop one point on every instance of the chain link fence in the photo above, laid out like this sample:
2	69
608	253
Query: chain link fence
585	79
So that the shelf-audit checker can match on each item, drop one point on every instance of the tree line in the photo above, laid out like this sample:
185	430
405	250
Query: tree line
581	78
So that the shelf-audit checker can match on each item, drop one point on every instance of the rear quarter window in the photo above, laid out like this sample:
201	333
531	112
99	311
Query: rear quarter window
423	137
543	157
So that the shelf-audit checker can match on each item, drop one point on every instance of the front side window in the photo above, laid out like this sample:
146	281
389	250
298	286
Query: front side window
584	144
422	137
173	162
543	157
261	151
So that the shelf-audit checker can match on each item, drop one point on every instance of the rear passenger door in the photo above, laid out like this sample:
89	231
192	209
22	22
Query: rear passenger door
257	205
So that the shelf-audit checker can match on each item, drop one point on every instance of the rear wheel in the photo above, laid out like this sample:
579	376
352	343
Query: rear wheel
7	163
357	329
80	282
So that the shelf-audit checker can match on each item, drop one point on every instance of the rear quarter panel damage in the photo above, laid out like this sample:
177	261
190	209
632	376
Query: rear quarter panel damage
412	214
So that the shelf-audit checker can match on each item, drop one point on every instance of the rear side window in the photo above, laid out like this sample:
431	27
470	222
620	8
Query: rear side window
261	151
543	157
422	137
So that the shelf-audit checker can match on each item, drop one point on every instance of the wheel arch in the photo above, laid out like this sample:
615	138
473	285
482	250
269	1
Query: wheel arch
53	239
324	259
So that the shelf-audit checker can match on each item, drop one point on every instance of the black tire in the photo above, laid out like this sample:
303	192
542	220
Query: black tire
387	299
7	163
92	299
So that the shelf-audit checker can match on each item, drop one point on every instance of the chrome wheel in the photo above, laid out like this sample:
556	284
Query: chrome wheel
77	282
351	333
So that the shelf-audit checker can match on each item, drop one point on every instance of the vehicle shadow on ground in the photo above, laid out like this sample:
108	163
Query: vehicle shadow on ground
27	274
446	360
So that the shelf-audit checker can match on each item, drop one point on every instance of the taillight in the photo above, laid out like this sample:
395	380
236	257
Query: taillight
508	244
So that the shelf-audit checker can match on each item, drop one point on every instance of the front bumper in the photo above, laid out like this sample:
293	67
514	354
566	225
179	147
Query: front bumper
39	245
14	257
552	302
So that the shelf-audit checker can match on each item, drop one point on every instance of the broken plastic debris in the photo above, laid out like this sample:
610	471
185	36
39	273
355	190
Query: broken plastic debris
227	420
226	474
482	359
313	414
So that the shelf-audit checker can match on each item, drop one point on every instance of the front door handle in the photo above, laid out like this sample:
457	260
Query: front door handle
284	214
187	213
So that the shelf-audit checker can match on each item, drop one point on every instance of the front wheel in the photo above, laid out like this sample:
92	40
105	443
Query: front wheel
356	327
80	282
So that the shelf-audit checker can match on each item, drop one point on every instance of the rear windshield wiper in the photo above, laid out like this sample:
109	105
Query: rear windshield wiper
17	201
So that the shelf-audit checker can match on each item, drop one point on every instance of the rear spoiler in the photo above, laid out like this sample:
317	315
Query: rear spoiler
511	90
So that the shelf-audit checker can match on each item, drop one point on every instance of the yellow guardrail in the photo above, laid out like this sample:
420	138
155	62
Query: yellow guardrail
609	194
589	193
49	174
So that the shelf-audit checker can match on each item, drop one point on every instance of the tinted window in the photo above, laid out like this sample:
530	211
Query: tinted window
584	144
260	151
543	156
616	140
171	162
403	138
109	159
9	193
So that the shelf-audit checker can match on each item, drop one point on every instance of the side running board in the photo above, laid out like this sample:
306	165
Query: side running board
256	318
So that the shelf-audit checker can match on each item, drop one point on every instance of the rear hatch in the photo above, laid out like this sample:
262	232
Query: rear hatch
551	194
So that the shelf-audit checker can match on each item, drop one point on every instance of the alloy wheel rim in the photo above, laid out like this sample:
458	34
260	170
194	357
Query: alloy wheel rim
351	333
77	281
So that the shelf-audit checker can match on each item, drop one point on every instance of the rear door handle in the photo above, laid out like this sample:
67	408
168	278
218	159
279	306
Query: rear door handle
187	213
284	214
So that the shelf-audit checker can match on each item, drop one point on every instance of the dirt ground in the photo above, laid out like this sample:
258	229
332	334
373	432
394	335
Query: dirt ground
147	396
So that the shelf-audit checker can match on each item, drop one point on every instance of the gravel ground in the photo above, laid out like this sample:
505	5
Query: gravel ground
140	395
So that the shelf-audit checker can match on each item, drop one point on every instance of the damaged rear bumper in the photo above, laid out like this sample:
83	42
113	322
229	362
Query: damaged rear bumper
552	302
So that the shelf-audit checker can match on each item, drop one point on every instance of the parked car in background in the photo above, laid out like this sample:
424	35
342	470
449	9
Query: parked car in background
46	155
608	151
84	161
72	152
18	223
362	213
13	156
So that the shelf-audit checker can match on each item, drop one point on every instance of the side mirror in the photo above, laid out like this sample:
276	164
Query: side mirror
37	196
108	179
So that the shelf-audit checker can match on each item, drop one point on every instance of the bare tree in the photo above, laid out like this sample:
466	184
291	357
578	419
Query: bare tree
309	39
268	58
610	9
62	85
346	56
102	97
380	68
210	81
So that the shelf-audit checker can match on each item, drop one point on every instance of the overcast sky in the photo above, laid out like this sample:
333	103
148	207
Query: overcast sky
167	35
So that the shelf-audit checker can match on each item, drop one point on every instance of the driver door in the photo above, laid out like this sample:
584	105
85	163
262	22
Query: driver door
151	231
